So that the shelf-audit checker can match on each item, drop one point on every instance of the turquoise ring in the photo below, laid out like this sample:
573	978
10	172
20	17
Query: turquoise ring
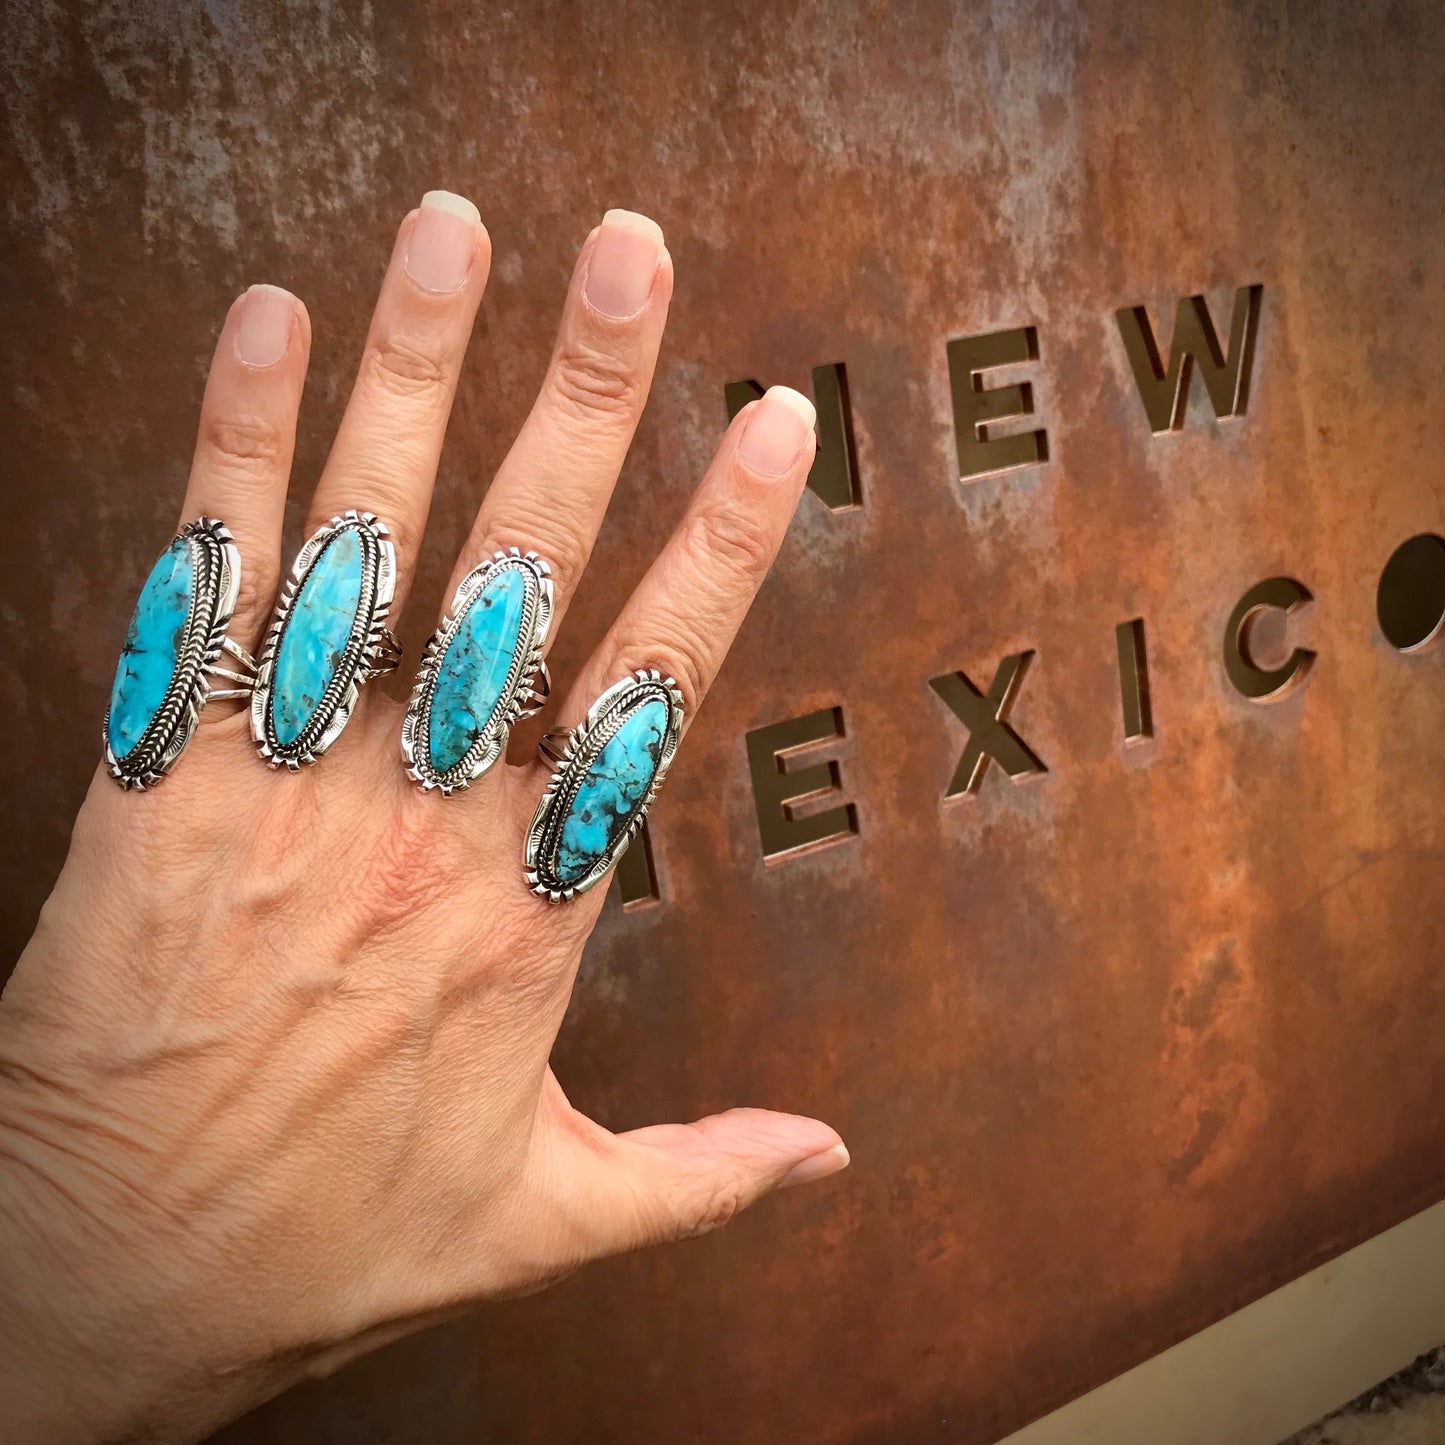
327	638
172	660
482	671
606	773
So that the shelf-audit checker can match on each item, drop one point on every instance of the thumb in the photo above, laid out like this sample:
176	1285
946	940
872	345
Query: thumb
676	1181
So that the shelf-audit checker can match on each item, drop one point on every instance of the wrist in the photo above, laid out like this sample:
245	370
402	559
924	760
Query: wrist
95	1298
53	1389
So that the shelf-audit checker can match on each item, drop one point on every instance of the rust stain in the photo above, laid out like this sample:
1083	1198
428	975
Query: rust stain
1082	1033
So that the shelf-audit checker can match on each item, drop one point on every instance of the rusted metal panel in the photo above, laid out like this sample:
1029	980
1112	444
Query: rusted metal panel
1118	1043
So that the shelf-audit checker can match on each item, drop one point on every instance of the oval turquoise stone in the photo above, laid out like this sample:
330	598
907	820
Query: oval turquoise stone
612	788
313	642
151	650
474	668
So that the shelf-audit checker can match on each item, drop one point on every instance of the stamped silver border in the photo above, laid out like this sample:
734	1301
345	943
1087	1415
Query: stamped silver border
217	565
603	719
518	694
365	650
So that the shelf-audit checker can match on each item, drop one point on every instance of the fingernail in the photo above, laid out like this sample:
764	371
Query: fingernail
624	261
443	242
264	330
776	431
820	1166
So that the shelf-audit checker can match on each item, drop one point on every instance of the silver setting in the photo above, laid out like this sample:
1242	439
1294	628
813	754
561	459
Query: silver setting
541	690
244	682
554	745
388	656
571	752
217	565
526	689
371	649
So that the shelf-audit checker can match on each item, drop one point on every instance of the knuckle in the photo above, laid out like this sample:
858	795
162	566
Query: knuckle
532	988
243	444
277	856
557	536
254	596
503	968
586	381
686	655
733	539
716	1205
504	949
400	367
397	887
385	484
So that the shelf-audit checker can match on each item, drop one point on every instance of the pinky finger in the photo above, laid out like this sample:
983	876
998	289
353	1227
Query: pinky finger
678	624
246	439
687	609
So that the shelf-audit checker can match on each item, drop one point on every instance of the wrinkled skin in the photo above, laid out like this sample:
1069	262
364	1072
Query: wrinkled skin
273	1070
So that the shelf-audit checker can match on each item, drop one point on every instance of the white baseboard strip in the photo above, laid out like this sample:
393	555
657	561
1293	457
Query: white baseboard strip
1281	1363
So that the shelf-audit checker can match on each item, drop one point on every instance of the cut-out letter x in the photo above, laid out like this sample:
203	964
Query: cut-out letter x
986	718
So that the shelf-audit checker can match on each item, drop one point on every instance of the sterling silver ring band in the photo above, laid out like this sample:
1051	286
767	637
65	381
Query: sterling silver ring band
606	772
328	638
177	655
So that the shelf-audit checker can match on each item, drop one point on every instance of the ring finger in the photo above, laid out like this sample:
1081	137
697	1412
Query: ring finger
385	455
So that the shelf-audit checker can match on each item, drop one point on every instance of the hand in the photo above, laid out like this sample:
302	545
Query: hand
273	1070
